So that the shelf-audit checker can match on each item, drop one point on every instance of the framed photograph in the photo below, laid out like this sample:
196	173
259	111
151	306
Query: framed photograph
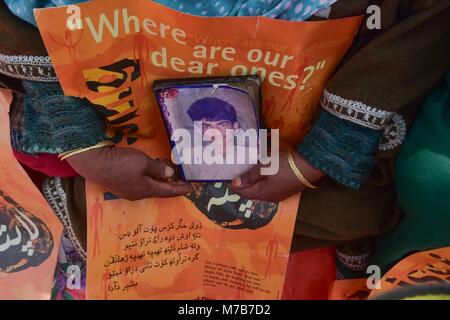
213	125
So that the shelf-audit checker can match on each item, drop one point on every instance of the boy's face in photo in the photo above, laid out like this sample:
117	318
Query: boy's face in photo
225	127
216	116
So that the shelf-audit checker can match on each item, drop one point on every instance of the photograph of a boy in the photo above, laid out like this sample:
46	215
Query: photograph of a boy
219	120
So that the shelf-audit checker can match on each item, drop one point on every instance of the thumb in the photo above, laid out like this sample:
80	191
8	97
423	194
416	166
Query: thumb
249	178
159	169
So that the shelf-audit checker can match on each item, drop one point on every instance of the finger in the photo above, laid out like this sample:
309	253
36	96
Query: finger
167	189
159	169
249	178
253	192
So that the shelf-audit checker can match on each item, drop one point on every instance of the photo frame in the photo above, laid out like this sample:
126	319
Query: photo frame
212	124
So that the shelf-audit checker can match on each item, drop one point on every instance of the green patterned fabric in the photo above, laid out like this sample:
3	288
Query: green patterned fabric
55	123
341	149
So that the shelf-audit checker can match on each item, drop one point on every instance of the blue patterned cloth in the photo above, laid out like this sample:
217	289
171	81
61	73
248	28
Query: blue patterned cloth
24	8
297	10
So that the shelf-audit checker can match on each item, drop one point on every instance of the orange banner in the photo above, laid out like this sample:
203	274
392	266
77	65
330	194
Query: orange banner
423	268
29	230
111	52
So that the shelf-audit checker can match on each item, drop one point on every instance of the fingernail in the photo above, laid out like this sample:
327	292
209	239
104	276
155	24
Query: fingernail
236	182
169	172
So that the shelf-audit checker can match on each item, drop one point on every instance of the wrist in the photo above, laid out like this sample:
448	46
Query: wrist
82	161
309	172
72	153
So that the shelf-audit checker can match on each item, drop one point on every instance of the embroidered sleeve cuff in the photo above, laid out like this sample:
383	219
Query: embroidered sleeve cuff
346	136
341	149
54	123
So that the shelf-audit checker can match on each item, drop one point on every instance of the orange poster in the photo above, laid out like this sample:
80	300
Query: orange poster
426	268
29	231
111	52
423	268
